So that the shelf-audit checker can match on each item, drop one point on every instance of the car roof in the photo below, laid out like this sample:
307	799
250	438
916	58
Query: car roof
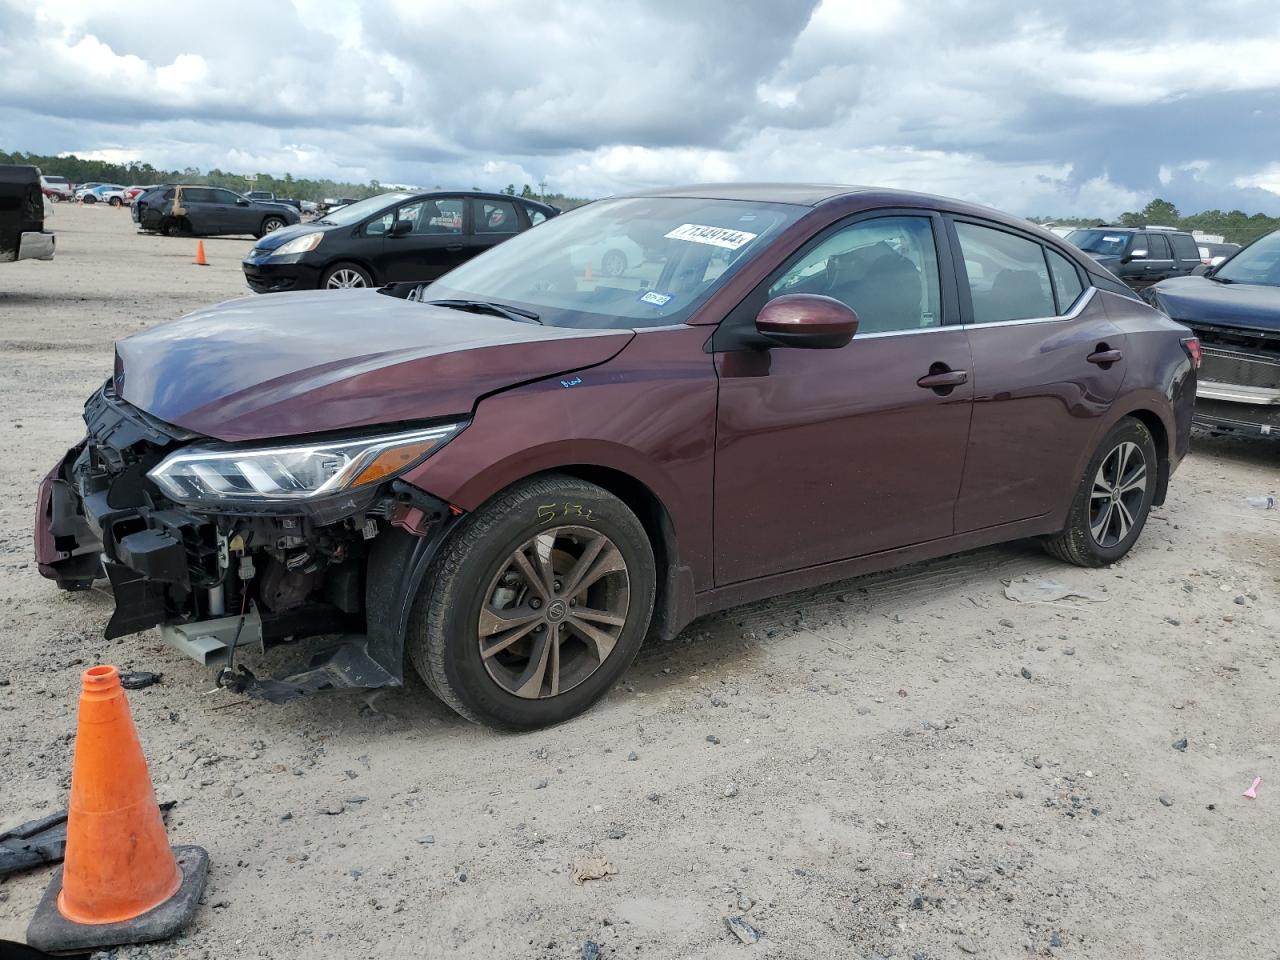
801	194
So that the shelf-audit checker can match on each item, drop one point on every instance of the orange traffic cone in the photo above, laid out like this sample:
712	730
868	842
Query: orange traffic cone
587	274
200	261
120	882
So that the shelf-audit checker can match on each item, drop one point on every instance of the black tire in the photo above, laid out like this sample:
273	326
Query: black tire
176	227
343	275
271	224
89	198
115	201
443	639
1079	543
613	263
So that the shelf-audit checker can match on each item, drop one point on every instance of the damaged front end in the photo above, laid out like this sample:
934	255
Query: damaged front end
228	548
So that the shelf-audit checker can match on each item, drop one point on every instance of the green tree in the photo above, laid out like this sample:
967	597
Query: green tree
1161	212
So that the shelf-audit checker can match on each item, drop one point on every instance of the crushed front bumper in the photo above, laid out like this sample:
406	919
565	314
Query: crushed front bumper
220	584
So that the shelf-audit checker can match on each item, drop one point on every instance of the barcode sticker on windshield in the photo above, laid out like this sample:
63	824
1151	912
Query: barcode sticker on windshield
715	236
1112	239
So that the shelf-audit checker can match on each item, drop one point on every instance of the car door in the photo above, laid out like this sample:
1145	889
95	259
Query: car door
200	210
1047	362
1186	254
1160	263
493	221
236	213
823	455
426	239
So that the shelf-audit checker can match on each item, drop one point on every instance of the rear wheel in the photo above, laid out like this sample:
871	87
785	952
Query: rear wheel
175	227
89	198
1113	500
115	201
343	275
536	606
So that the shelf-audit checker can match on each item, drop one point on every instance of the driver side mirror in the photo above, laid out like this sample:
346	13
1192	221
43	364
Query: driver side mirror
807	320
1134	255
242	202
401	228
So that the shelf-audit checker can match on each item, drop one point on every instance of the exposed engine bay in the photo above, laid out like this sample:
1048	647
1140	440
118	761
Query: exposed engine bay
218	583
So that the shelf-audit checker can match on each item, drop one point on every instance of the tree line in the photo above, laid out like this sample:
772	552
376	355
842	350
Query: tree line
135	172
1235	226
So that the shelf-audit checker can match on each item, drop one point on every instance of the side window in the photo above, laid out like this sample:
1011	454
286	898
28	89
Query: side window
224	196
885	269
1158	247
1008	279
380	226
1066	280
1184	247
536	216
495	216
197	195
442	216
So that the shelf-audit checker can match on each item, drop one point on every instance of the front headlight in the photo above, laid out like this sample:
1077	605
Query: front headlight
290	474
303	244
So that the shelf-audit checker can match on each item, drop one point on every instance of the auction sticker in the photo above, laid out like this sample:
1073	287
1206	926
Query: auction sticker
656	298
714	236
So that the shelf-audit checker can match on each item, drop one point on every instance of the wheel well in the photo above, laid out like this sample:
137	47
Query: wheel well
653	516
332	264
1161	437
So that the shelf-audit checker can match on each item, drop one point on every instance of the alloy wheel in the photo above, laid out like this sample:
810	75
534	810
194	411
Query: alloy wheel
554	611
345	278
1119	487
272	225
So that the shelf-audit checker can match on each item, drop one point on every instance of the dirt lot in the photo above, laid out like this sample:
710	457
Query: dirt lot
907	766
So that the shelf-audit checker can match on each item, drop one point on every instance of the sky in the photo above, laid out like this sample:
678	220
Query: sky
1072	108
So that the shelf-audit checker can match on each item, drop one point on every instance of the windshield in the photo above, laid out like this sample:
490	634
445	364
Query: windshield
1257	263
355	212
1105	243
641	262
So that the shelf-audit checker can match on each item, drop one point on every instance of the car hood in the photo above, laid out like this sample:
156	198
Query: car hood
299	363
1201	300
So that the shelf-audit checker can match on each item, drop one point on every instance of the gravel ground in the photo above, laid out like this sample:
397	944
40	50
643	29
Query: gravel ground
905	766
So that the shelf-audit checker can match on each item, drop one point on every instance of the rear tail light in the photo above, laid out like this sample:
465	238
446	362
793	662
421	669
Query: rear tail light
1192	346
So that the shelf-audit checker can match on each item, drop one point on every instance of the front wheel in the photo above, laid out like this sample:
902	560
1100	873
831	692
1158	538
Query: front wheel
1113	500
537	605
55	198
116	202
89	198
270	225
343	275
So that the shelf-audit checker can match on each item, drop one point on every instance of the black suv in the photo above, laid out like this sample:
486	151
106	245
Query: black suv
1140	256
181	210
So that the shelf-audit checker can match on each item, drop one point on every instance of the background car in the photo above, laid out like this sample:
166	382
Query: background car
133	193
612	257
1214	254
1235	311
1140	256
514	474
22	210
394	236
56	189
110	193
198	210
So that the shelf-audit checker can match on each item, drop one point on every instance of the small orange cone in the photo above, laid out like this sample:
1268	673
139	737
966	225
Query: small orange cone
120	881
200	261
587	275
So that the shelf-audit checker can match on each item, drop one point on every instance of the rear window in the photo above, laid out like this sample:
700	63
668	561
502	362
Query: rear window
1066	280
1184	248
1158	247
1008	278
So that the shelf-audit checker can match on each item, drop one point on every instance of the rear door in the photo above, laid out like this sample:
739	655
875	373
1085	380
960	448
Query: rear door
1159	261
493	221
1186	254
235	213
1047	363
200	210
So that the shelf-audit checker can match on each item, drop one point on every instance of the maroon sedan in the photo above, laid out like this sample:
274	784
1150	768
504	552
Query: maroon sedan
517	472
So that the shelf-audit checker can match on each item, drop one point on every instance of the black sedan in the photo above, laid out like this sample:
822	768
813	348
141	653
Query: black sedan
1235	311
195	210
395	236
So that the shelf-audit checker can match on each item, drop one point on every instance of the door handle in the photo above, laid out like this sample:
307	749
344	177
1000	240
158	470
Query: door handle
1103	356
943	379
453	247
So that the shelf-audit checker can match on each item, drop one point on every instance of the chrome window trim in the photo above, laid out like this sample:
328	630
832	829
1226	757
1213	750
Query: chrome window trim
1078	308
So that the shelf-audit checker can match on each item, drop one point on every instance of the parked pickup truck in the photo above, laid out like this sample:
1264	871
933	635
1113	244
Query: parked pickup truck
22	233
